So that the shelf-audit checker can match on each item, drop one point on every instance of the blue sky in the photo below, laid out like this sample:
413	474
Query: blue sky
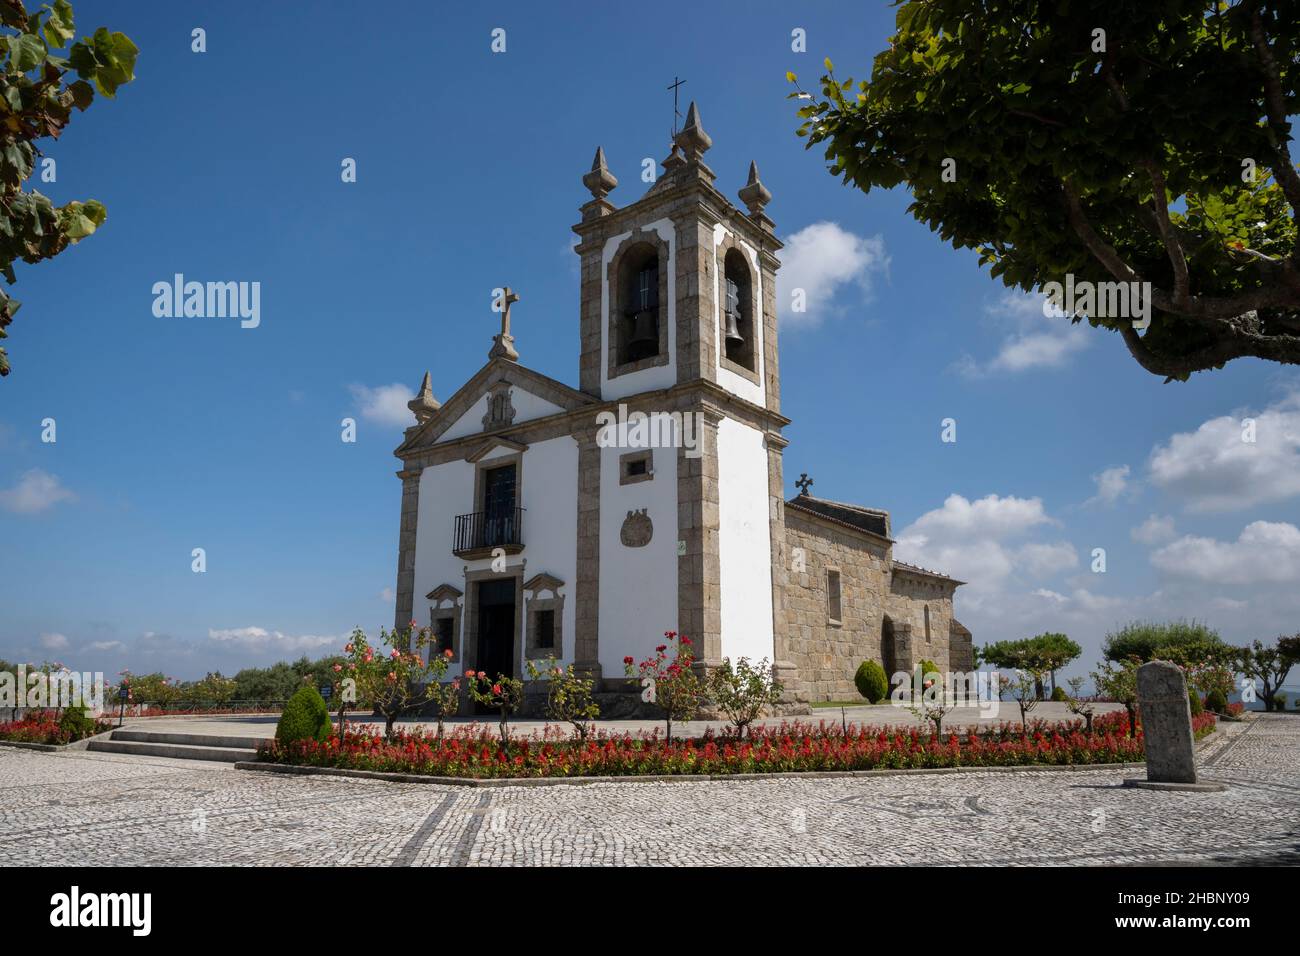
179	433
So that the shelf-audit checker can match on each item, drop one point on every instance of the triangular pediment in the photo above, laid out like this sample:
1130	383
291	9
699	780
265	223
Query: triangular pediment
463	413
495	447
543	582
444	592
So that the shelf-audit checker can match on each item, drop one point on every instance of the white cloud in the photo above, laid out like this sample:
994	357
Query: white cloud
1044	560
386	594
1266	552
260	637
1213	469
36	491
107	646
1154	530
969	540
819	259
1031	340
1111	484
53	642
385	405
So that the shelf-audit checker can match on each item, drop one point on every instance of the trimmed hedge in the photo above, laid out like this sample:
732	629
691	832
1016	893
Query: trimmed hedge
1059	695
871	681
1194	702
305	717
1216	701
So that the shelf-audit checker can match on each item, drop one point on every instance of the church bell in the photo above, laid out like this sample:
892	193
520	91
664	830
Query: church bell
732	332
645	336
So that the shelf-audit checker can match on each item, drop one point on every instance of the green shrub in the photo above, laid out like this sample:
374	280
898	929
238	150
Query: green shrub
305	717
1059	695
77	723
1194	702
871	681
1216	701
926	667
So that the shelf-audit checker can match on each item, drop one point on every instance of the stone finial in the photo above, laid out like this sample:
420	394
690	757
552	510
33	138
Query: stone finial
754	194
692	138
600	180
424	405
804	483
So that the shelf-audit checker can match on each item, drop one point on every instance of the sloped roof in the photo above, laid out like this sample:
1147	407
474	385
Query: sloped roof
870	520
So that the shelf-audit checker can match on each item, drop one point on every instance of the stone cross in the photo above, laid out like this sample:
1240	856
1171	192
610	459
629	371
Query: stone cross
1167	729
503	345
804	483
509	299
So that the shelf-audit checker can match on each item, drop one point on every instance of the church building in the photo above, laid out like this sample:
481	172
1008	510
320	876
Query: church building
542	520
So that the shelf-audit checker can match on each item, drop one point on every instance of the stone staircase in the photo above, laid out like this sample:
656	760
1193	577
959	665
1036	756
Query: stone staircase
143	743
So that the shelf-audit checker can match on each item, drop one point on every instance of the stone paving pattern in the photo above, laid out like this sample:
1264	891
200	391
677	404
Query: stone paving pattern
78	808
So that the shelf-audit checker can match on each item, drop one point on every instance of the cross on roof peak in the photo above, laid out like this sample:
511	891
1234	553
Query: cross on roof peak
804	483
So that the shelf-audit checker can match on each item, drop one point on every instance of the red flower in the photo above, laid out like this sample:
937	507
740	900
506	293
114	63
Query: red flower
448	654
661	648
627	660
496	689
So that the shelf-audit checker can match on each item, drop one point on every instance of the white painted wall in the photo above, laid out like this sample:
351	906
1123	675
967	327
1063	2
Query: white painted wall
660	376
550	530
527	407
744	543
738	384
638	586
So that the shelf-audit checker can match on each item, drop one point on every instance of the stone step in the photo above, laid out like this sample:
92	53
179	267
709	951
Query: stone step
141	748
187	740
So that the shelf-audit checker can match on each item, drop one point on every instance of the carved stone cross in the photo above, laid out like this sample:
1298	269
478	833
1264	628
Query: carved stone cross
804	483
503	345
509	299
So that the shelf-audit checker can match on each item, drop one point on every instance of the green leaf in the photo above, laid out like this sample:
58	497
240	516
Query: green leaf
829	67
78	220
26	52
790	77
58	28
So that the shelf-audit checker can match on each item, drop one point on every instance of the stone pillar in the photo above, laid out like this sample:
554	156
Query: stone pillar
1167	729
586	589
783	666
699	576
406	547
903	659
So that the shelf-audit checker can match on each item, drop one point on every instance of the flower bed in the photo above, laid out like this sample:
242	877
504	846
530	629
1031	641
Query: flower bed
471	751
49	727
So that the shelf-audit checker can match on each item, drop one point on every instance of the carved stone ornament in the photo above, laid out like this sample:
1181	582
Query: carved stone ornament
637	530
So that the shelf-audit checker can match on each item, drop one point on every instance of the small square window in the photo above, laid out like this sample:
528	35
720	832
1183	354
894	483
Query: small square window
636	466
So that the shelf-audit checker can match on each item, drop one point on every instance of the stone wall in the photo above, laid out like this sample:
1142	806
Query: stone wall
826	654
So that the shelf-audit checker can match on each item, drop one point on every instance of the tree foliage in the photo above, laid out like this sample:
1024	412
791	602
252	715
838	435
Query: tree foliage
1114	140
36	102
1186	643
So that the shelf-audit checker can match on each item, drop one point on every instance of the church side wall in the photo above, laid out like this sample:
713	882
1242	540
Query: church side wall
638	585
910	596
549	481
744	543
825	655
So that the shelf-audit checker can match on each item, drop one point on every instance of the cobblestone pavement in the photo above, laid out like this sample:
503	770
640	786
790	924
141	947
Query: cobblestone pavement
91	808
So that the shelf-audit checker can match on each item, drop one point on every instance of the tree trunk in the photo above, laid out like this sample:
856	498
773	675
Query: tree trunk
389	720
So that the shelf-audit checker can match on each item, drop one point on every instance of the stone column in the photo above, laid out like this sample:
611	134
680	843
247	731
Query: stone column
699	575
783	667
1167	729
586	589
406	547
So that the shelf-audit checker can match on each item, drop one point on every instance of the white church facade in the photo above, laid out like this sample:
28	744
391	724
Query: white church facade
542	520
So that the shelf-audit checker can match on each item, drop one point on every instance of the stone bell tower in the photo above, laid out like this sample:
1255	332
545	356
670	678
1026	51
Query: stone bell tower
679	285
678	315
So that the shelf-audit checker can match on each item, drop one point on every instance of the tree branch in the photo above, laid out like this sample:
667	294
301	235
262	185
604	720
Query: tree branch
1173	247
1284	170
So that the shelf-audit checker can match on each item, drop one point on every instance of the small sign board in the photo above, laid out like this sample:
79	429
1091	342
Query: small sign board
123	692
327	691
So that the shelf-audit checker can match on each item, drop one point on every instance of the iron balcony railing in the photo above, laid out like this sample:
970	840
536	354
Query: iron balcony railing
489	529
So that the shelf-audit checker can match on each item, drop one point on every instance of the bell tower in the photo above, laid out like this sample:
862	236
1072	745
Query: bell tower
678	320
679	285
